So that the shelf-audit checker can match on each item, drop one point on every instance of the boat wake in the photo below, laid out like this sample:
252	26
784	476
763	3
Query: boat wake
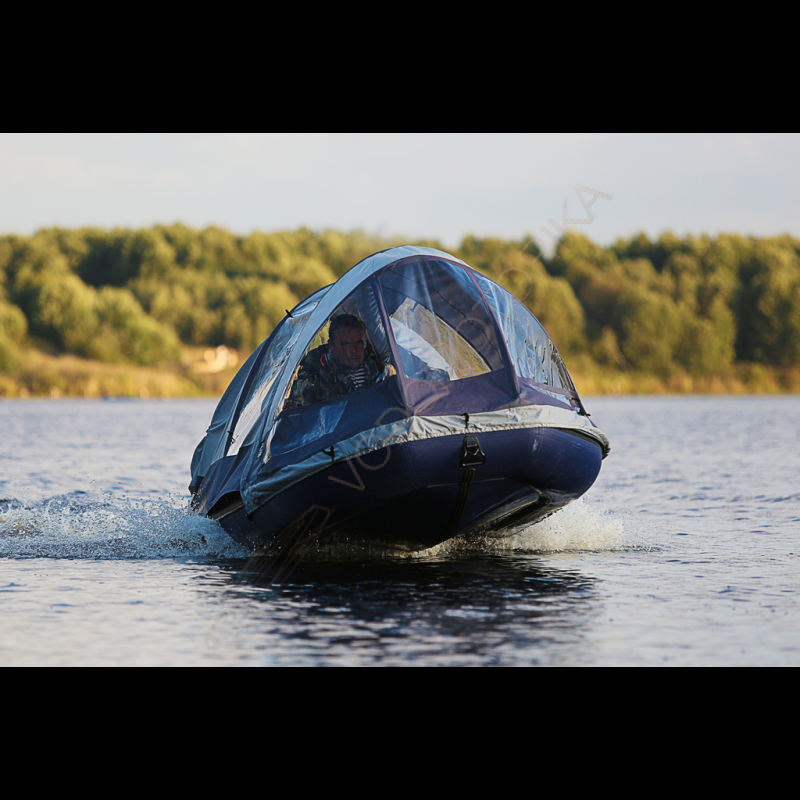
74	526
580	527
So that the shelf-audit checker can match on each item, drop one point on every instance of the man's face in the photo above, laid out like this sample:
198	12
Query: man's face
347	346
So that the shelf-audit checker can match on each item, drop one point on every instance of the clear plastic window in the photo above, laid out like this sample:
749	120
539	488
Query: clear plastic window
279	352
350	352
440	323
532	351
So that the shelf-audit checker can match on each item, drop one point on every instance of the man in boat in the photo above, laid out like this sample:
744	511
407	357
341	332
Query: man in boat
345	364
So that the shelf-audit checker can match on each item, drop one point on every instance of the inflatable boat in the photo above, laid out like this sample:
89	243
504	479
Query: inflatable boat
410	402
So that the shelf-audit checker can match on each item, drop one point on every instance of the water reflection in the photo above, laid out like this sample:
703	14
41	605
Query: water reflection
476	610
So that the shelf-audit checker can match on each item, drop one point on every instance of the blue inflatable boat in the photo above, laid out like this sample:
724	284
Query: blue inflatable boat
412	401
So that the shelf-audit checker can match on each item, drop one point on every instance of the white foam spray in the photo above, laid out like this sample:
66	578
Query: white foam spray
123	528
580	526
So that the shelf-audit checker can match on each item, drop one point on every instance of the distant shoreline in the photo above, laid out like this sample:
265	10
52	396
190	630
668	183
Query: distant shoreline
41	375
171	311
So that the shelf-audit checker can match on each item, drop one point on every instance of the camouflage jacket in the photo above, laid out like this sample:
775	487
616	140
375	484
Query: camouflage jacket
320	378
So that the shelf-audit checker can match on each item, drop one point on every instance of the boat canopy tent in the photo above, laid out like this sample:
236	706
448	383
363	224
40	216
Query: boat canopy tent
451	349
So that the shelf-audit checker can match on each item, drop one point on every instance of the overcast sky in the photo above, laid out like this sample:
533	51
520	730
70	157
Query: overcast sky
440	186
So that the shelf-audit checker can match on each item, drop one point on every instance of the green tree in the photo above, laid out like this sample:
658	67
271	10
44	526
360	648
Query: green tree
62	311
651	328
127	334
706	345
769	304
13	327
262	305
304	275
12	321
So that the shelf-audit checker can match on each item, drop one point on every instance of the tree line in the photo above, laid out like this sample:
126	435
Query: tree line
696	304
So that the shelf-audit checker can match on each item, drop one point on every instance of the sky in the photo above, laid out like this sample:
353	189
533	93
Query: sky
438	186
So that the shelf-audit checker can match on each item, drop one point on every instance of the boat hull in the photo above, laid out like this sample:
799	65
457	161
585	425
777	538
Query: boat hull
414	495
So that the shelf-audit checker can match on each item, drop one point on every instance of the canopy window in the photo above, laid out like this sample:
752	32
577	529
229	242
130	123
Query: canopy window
255	401
349	353
532	351
440	322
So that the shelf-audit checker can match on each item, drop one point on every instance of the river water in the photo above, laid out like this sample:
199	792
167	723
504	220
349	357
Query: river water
686	552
